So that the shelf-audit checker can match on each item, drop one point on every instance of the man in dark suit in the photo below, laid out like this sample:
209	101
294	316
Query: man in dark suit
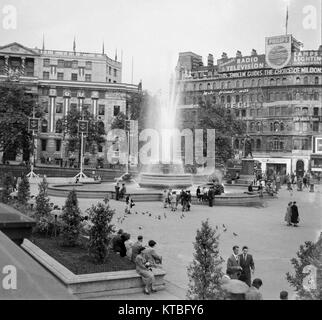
247	263
233	264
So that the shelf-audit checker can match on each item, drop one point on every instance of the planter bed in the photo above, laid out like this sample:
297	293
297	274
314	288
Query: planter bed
96	282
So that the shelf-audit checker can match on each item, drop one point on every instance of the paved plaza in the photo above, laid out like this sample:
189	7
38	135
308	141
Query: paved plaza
263	230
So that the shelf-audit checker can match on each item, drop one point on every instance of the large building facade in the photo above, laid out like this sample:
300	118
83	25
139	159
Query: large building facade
278	94
61	81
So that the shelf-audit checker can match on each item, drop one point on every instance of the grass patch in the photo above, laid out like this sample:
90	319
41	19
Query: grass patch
77	260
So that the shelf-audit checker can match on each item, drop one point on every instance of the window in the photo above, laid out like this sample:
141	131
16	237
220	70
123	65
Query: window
44	126
115	73
60	64
208	86
276	127
258	144
271	126
46	62
88	65
45	106
298	80
272	82
58	145
88	77
73	107
306	80
59	108
237	84
278	81
284	111
271	111
102	94
297	126
67	64
316	80
74	76
101	110
297	144
53	70
282	127
315	111
228	99
43	144
243	113
46	75
200	86
278	111
316	96
222	99
116	110
100	148
109	70
237	99
60	76
252	127
305	111
284	81
315	126
258	126
74	64
59	126
228	84
253	82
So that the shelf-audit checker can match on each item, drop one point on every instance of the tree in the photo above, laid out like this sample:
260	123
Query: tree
71	218
205	271
101	216
24	190
15	108
96	131
42	205
306	256
119	121
7	182
226	125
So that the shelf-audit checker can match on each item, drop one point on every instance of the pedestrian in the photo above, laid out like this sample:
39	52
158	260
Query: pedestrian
283	295
293	178
151	256
173	201
165	199
233	264
288	214
144	269
198	194
278	182
211	196
253	292
129	204
248	266
188	199
117	191
136	246
295	215
122	191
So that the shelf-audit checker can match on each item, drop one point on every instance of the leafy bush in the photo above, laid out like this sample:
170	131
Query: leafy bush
205	270
6	188
24	190
71	218
100	233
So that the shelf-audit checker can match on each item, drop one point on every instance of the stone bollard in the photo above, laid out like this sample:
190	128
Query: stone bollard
311	187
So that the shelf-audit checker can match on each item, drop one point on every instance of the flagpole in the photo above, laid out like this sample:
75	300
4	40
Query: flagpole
132	70
286	23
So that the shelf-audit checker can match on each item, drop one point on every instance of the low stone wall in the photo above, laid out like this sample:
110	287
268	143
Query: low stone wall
95	284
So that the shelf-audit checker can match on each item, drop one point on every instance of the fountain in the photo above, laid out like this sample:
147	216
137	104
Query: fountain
167	170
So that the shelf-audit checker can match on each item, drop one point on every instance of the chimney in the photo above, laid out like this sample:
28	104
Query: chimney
254	52
320	48
238	54
210	60
224	55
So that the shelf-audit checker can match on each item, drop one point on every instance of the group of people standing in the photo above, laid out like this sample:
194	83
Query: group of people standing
206	195
172	199
292	214
120	191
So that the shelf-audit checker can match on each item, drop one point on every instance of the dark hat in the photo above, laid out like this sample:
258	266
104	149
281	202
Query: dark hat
152	243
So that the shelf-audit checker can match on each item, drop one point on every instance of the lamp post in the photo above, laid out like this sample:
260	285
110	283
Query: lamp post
127	129
82	128
33	125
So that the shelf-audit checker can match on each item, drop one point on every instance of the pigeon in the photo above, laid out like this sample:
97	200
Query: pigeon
165	216
143	213
159	217
225	230
136	212
140	227
224	226
216	227
150	214
235	234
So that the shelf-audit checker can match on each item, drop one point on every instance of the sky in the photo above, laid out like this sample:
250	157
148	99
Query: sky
153	32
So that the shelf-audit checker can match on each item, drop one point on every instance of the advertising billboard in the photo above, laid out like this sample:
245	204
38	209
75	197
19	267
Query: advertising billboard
278	51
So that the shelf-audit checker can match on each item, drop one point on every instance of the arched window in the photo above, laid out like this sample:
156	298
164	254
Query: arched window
272	126
228	99
298	80
214	86
253	82
228	84
236	144
208	86
223	85
237	99
194	87
297	96
59	126
260	82
306	80
282	127
244	83
237	84
272	82
276	127
44	126
258	126
222	99
252	127
284	81
305	96
278	81
316	80
258	144
200	86
316	96
277	96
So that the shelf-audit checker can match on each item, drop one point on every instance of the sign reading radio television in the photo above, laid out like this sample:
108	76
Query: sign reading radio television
278	51
243	63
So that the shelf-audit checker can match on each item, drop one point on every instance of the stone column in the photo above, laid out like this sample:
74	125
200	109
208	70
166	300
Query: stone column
94	103
81	97
66	102
23	66
52	100
6	64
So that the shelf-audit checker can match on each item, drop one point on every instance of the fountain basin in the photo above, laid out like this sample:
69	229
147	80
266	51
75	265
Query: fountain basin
163	181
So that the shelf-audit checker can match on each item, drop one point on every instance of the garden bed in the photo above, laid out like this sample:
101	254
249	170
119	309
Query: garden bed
77	259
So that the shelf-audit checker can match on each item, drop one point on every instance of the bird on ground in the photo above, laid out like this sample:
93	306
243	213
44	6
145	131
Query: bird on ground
150	214
235	234
165	216
140	228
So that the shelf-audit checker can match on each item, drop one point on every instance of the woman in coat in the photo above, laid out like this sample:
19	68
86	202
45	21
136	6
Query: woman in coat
144	269
288	214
